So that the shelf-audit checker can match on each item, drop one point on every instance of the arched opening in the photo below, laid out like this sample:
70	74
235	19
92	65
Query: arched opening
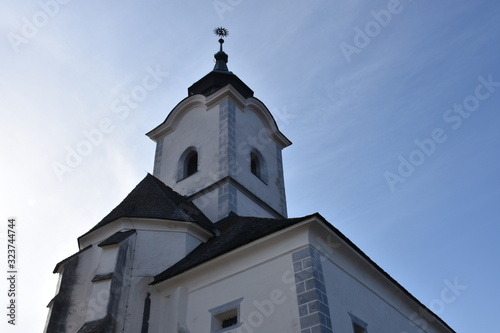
255	164
258	165
191	164
188	163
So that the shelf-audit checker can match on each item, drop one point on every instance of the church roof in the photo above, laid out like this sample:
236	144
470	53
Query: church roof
116	238
64	261
215	80
151	198
234	232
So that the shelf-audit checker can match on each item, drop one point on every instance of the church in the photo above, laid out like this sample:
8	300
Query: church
204	244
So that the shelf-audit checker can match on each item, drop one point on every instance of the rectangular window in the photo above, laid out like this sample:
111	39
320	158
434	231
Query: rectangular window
226	317
358	329
358	325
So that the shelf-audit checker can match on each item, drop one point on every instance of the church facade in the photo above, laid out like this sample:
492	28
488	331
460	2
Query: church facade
204	244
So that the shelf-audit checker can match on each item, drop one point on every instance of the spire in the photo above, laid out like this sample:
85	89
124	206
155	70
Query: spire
221	57
220	76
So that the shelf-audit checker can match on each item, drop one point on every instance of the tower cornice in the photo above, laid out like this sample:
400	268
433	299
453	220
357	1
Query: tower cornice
175	116
227	92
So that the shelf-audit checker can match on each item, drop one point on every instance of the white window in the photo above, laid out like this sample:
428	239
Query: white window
226	317
358	325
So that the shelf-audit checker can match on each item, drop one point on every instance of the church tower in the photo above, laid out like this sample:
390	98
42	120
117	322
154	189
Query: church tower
221	147
205	244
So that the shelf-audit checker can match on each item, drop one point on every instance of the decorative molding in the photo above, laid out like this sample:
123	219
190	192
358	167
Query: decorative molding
314	312
176	115
281	181
158	156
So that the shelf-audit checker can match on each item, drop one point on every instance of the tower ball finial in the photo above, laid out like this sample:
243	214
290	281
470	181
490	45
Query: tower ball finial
221	57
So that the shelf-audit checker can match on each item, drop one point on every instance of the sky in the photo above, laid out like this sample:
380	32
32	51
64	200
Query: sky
393	108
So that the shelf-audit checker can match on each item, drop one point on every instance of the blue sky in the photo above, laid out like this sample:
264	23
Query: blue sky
394	122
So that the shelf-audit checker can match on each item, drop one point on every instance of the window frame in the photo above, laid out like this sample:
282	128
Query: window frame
189	168
184	165
260	165
356	322
222	309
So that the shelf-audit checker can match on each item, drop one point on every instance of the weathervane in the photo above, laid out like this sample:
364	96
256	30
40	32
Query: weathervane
221	32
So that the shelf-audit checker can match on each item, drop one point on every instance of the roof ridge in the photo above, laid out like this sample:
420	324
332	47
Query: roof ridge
243	230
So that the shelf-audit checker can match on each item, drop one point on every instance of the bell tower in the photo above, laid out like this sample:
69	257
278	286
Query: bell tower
221	147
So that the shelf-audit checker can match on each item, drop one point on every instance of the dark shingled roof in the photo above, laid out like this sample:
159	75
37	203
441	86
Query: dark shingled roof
62	262
235	231
102	277
219	77
216	80
151	198
116	238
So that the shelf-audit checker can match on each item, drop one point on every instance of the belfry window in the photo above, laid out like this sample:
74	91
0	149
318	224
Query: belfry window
191	163
254	164
258	165
188	163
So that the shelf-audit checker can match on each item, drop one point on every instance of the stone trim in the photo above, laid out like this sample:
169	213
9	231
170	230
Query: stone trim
281	181
314	313
158	156
227	138
227	200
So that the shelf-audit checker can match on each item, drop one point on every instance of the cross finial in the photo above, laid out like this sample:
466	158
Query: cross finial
221	57
221	32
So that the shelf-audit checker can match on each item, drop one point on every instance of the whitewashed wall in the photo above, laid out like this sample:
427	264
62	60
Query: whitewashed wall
265	276
223	128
